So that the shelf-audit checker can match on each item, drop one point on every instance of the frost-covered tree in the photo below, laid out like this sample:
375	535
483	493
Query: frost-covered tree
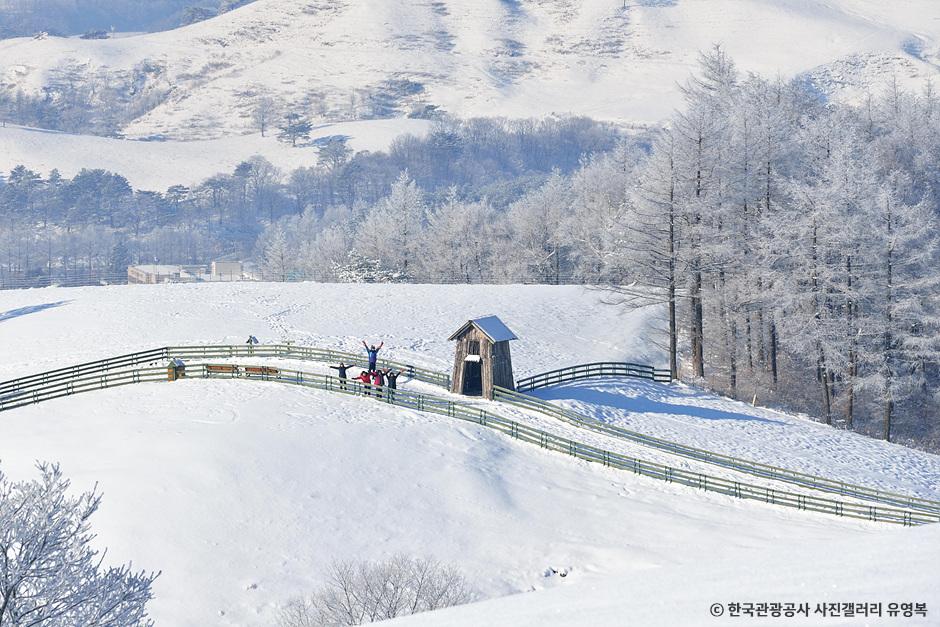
334	154
368	592
900	313
277	258
357	268
392	230
645	252
263	178
537	243
263	112
459	241
49	573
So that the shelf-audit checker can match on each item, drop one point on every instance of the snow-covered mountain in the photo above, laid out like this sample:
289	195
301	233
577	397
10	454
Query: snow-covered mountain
614	59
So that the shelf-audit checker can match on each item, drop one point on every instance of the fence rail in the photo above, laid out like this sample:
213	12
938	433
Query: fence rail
756	469
597	369
18	392
422	402
224	351
304	353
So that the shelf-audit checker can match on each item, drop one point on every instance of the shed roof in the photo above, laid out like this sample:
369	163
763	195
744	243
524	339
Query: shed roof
491	326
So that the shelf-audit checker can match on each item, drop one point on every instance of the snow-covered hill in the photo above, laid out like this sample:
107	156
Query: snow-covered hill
242	492
613	59
158	165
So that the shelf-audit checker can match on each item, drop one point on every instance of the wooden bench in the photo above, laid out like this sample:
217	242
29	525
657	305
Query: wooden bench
261	370
222	369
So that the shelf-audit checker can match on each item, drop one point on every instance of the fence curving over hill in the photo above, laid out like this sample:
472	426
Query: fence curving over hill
10	390
78	382
97	374
753	468
596	369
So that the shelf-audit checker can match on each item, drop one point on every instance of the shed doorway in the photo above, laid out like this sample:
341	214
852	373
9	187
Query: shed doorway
472	377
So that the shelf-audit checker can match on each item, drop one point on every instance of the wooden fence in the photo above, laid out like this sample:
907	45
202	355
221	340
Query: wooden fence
23	385
597	369
84	382
753	468
97	374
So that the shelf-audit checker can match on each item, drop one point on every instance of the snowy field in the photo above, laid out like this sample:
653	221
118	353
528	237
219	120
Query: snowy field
242	493
156	165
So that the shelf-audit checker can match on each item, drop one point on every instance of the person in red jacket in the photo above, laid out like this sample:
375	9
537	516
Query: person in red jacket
366	379
378	380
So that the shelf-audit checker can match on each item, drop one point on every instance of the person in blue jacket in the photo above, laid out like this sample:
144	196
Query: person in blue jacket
373	354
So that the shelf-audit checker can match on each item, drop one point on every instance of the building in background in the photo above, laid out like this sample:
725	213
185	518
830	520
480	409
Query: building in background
152	273
226	271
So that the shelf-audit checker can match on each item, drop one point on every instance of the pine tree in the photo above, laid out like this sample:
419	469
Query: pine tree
120	258
295	127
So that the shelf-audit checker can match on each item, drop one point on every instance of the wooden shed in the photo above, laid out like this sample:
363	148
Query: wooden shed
482	359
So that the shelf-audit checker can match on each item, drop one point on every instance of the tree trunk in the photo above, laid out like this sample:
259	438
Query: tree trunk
823	373
853	356
773	351
697	327
747	341
673	326
822	369
888	337
698	331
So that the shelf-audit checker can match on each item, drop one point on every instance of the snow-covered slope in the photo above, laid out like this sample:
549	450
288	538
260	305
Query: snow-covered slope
685	414
806	574
604	58
242	492
158	165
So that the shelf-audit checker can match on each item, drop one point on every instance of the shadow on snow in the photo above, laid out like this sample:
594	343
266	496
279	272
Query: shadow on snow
25	311
642	402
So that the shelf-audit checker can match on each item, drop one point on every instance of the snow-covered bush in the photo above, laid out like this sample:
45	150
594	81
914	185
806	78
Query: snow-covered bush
49	574
367	592
357	268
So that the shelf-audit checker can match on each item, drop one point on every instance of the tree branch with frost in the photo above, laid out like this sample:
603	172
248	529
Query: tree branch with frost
49	573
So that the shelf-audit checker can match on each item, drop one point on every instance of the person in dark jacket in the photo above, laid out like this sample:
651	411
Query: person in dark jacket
378	380
366	379
342	368
373	354
392	381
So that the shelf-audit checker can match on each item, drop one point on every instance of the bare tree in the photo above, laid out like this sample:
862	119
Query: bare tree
263	112
367	592
49	575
